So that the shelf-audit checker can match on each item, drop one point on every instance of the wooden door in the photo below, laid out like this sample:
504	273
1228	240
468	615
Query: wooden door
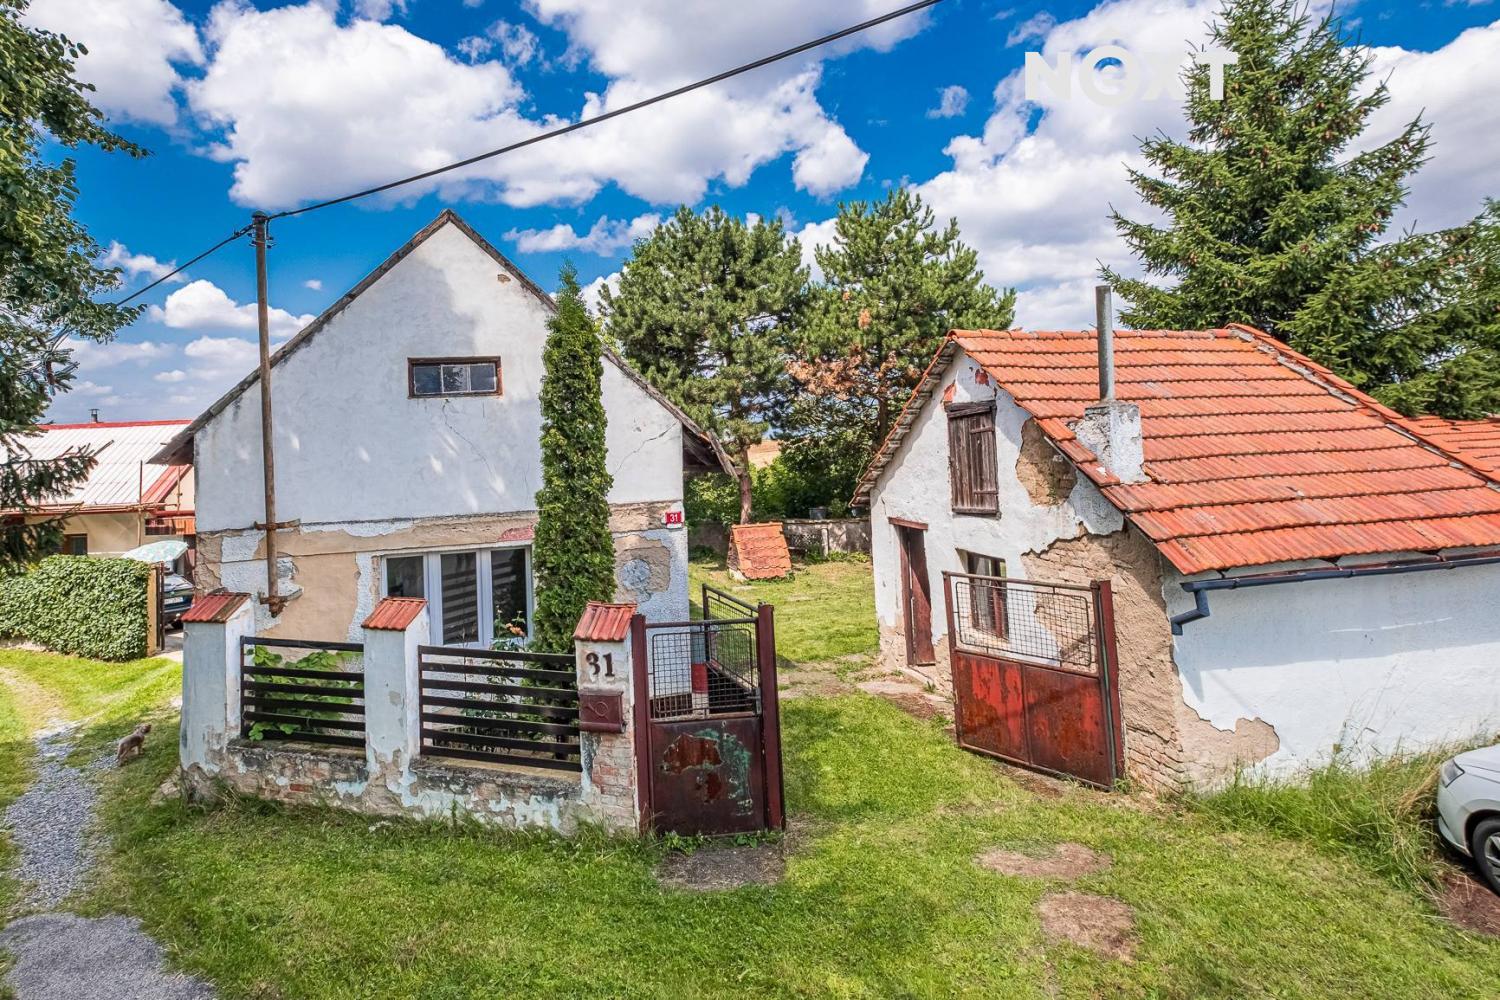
916	595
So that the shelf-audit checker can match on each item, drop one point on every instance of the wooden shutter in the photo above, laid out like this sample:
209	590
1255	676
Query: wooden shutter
971	458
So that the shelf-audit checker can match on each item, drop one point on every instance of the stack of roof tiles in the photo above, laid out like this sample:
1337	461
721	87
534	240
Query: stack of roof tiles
1477	440
759	551
1254	454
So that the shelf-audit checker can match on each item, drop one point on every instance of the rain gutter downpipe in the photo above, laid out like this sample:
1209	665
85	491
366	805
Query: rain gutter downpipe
1200	588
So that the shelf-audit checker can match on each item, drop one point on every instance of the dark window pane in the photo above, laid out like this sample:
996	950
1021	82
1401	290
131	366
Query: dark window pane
425	380
460	597
404	577
510	581
455	378
76	545
482	377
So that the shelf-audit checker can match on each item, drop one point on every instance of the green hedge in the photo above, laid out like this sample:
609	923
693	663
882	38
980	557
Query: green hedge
80	605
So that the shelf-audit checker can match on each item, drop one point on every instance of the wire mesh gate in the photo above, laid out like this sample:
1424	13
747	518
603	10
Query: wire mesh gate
1035	680
713	733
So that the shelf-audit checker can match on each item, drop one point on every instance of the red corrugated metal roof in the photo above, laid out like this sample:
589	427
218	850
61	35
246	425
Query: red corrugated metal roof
604	622
1478	440
759	551
215	607
1254	453
394	614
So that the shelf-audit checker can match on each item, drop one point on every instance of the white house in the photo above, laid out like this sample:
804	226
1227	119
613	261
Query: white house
407	456
1296	569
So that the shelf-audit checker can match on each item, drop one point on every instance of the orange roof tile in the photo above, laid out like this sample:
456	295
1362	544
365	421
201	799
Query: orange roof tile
1254	453
394	614
1478	440
759	551
604	622
216	607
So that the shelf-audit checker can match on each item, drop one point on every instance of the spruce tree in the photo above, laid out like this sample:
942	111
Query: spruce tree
704	310
573	551
1276	216
48	278
894	285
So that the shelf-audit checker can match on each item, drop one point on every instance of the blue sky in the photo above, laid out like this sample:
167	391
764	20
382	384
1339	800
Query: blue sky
269	106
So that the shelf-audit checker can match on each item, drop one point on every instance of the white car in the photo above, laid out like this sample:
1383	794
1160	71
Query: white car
1468	802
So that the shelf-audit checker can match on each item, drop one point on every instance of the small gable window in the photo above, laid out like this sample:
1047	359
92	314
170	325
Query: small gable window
453	376
971	458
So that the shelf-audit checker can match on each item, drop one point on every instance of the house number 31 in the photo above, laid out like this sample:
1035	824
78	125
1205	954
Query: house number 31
609	663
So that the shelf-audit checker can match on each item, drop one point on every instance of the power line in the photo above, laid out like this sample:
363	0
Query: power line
183	267
560	131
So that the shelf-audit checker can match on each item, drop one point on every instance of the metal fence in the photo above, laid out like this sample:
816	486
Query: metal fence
500	706
315	697
1047	623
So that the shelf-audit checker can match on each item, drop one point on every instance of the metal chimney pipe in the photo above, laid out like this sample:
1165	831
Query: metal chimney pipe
1105	320
94	415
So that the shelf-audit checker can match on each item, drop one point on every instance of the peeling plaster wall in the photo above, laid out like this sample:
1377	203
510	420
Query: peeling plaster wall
1367	665
914	486
334	569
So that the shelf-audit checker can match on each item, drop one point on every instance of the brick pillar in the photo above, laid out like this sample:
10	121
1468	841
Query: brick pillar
393	721
607	702
212	629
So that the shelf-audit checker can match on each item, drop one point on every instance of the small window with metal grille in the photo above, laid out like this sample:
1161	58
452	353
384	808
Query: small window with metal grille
971	458
453	377
987	611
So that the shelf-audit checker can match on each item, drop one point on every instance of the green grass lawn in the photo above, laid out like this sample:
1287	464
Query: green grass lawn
824	611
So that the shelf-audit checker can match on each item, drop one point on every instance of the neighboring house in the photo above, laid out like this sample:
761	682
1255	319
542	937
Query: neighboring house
1230	463
129	497
407	456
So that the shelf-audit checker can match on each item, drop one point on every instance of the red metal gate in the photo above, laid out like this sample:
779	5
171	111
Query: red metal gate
1035	681
713	761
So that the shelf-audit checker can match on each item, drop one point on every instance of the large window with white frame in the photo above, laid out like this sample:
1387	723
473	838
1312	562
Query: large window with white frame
474	596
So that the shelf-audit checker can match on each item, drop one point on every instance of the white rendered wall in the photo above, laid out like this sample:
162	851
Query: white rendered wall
351	445
915	487
1370	664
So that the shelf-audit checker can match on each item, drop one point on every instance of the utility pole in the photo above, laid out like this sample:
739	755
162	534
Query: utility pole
274	601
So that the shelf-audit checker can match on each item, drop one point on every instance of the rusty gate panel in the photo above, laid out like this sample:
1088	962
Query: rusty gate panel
712	760
707	776
1033	674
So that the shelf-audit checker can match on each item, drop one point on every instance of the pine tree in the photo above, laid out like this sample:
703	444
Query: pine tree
1272	221
573	551
894	285
704	311
48	277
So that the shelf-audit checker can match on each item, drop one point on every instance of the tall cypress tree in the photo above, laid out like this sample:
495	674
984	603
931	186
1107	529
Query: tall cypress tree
1271	221
48	278
704	311
573	552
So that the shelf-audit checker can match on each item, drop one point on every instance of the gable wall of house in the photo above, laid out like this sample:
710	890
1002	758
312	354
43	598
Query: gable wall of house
367	471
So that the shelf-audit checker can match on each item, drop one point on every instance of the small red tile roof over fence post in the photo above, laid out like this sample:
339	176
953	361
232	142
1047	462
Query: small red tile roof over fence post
394	614
604	622
216	607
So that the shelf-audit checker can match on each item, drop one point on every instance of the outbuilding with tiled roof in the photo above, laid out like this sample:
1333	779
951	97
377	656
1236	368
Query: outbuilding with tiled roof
1296	569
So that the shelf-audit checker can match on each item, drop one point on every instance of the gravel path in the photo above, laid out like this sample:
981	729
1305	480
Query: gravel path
62	956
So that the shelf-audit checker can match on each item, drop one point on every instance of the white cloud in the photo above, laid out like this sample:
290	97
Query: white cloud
378	10
90	355
952	102
137	264
219	358
810	237
174	375
134	47
604	238
314	284
593	289
307	107
83	387
202	305
1034	28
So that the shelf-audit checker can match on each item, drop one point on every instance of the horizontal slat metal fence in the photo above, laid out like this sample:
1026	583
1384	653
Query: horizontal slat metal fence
303	690
501	706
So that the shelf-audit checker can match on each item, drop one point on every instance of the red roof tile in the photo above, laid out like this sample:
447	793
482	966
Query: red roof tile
217	607
394	614
1254	454
759	551
1477	440
604	622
